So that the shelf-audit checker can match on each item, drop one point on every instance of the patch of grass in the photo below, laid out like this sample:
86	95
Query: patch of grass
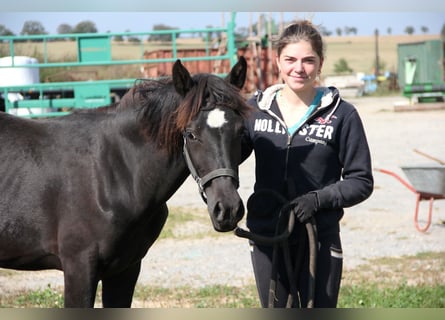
423	269
47	298
217	296
370	295
416	281
188	223
363	295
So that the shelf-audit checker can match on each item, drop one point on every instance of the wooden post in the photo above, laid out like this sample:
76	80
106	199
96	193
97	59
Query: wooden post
377	63
269	52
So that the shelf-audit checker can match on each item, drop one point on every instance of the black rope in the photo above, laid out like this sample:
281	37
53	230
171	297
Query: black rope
281	239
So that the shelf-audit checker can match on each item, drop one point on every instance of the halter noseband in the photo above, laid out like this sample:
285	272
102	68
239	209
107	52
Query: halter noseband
221	172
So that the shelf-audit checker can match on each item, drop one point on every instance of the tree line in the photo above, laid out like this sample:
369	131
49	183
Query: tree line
33	27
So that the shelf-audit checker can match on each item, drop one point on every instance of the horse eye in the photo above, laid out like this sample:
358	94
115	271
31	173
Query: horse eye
190	135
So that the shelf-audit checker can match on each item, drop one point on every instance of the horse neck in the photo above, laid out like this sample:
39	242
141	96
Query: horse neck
150	173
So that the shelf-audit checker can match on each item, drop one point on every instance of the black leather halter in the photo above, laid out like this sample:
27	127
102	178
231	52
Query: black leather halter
221	172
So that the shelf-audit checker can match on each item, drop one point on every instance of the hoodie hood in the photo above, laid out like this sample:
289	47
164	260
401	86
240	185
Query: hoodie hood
265	98
330	97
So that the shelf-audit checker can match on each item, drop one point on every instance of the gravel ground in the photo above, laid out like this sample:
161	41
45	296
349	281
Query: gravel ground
382	226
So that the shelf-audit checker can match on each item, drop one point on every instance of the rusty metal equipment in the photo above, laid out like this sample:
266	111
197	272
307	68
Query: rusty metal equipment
427	182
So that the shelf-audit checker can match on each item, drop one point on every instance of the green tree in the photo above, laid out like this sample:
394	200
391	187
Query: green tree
133	39
424	29
409	30
161	37
118	38
86	26
349	30
338	31
341	66
324	31
5	31
64	28
32	27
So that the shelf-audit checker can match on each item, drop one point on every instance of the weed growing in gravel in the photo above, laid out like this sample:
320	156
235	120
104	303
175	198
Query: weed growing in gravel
47	298
402	282
400	296
189	223
217	296
366	295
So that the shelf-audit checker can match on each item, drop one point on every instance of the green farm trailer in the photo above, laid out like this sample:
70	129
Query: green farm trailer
421	70
94	50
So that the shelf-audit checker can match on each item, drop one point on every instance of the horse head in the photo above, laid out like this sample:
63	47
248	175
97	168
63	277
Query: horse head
212	138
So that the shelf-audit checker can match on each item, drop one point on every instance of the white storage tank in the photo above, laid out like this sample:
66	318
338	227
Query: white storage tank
21	74
18	76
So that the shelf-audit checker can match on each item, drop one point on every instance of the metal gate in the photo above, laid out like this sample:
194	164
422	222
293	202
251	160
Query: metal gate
46	99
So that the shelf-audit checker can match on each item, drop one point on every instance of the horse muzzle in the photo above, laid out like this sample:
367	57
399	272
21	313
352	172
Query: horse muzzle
224	204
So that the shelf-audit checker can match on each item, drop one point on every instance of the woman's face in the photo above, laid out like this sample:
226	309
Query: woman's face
299	65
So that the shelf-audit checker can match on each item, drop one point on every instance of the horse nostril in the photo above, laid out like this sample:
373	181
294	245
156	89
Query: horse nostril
228	216
240	211
220	212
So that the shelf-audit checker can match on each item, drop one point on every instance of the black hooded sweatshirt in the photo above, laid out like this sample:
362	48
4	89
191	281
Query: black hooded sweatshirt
328	154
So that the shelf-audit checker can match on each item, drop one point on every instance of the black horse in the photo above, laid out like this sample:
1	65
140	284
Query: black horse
86	193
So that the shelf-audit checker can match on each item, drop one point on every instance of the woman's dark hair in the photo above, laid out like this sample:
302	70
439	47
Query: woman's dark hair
301	30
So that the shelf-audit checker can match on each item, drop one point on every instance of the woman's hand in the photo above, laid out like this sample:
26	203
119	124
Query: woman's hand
305	206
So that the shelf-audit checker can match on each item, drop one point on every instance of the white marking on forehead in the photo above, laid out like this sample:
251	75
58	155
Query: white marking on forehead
216	118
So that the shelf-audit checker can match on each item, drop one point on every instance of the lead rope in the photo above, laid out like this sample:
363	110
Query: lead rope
282	240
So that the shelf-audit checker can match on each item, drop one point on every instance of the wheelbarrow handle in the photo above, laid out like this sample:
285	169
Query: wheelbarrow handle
404	182
429	156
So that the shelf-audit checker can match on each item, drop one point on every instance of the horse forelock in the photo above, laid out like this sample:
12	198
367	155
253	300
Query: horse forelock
163	114
214	92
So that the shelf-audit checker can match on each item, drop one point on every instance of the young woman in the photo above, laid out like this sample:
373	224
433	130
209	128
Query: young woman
310	148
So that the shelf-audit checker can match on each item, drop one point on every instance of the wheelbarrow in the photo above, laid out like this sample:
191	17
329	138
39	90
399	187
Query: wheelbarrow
427	182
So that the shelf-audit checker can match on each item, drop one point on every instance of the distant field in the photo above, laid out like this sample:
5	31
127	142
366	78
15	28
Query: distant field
359	51
67	50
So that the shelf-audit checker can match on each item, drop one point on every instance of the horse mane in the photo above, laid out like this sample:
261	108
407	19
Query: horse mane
163	114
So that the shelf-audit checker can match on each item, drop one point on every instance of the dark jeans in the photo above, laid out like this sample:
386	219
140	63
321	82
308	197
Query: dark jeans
328	275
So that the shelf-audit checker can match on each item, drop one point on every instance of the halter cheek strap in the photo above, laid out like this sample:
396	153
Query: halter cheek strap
221	172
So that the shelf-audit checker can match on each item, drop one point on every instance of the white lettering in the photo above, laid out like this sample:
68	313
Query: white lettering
264	125
315	141
312	128
303	131
278	128
320	130
328	132
267	125
257	126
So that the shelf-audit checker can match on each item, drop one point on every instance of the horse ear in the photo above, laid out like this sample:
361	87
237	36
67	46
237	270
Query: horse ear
237	75
182	79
